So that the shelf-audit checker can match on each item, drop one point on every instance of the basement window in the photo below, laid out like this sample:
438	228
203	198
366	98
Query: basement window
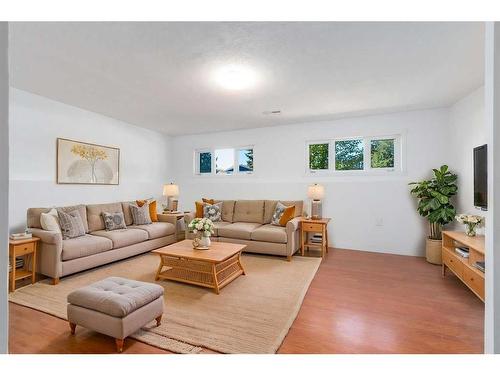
355	155
224	161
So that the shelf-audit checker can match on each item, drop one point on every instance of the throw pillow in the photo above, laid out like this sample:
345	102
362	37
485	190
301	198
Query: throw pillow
199	209
282	214
71	224
213	211
153	214
140	215
209	201
114	221
50	221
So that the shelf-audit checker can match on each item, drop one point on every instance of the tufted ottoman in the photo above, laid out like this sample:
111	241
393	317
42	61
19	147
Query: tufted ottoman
116	307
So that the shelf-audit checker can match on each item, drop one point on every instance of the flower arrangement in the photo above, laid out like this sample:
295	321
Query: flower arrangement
471	222
203	226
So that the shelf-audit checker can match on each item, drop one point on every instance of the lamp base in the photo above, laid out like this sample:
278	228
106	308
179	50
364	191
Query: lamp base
316	210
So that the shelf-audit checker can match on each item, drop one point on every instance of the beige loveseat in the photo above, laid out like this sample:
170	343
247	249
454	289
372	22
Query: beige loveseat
249	222
58	257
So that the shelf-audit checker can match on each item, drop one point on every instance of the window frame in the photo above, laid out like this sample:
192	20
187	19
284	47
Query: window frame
399	148
213	173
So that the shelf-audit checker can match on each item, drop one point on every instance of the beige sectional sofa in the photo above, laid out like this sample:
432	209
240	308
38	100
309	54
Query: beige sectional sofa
249	222
58	257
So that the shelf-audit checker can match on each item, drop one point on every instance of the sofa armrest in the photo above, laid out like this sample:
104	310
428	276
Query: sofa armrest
165	218
49	254
48	237
292	234
188	217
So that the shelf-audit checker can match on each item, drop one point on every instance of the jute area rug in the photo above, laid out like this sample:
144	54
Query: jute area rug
251	315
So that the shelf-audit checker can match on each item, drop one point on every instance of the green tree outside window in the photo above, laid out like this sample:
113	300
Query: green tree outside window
318	156
382	153
205	162
349	155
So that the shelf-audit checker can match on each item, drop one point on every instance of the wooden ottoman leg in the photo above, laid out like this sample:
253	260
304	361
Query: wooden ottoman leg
158	321
72	326
119	345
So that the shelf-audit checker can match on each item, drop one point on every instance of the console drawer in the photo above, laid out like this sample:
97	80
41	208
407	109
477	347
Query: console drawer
312	227
474	281
23	249
453	263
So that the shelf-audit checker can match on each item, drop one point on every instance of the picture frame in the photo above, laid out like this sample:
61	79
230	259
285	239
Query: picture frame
83	163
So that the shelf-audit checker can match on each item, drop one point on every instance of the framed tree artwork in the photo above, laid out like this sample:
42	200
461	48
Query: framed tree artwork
87	163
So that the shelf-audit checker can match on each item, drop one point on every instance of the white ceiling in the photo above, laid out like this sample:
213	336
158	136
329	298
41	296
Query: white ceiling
159	75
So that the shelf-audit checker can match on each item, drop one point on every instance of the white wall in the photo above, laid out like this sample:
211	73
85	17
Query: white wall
4	184
468	130
354	203
36	122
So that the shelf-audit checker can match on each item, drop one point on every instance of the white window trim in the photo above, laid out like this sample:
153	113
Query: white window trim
399	156
236	171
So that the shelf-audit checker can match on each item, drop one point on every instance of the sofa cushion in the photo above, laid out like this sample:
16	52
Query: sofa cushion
249	211
270	233
116	296
156	230
94	211
238	230
213	212
127	214
84	246
123	237
33	217
270	206
228	210
114	221
71	224
219	224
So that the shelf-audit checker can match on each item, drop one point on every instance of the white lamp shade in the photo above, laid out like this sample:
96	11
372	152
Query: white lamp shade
316	192
170	190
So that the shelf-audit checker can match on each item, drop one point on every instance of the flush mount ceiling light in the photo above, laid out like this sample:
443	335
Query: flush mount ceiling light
235	77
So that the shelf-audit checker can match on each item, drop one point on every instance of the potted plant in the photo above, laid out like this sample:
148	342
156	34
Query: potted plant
434	203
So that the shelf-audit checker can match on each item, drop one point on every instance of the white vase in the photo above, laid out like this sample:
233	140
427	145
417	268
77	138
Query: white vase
205	241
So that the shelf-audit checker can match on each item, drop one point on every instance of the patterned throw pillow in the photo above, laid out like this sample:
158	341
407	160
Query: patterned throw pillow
114	221
213	211
282	214
140	215
71	224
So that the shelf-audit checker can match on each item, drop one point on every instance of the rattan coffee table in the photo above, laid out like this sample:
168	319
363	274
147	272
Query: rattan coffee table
213	268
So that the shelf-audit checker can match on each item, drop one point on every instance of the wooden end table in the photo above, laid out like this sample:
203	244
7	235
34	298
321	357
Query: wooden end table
314	226
213	268
27	249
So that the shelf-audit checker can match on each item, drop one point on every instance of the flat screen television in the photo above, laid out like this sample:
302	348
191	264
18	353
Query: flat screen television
481	177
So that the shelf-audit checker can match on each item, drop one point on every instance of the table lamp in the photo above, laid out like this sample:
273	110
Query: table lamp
316	192
171	191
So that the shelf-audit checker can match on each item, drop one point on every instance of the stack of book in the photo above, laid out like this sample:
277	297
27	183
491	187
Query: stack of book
19	263
316	238
479	266
21	236
463	251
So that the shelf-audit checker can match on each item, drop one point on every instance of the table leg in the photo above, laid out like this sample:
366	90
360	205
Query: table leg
33	265
302	252
323	241
326	238
216	283
13	272
157	277
239	263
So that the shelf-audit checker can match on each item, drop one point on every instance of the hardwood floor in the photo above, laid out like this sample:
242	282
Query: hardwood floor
358	302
